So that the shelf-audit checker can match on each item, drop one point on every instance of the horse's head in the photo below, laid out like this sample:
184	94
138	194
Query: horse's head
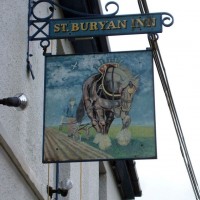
119	82
127	94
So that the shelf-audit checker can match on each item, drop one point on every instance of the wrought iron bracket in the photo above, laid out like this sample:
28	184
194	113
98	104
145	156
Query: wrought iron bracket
41	22
38	25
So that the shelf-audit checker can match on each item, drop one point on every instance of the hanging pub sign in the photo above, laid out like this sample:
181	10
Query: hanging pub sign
102	26
99	107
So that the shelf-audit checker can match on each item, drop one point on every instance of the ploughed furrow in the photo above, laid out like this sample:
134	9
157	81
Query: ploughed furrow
62	151
85	150
50	144
70	147
65	148
48	150
81	150
89	151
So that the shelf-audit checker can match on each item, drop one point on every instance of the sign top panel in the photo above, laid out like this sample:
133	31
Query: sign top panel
109	25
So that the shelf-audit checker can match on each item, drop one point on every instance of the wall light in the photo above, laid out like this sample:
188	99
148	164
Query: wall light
65	186
19	101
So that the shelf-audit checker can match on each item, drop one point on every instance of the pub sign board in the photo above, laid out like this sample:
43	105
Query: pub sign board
99	107
102	26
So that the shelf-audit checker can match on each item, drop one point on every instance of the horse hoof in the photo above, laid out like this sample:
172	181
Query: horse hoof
103	140
124	137
97	138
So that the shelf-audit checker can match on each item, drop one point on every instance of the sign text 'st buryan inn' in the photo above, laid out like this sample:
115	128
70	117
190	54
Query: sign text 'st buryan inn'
129	24
104	25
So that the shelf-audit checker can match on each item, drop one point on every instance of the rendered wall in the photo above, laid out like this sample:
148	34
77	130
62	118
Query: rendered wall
13	186
23	130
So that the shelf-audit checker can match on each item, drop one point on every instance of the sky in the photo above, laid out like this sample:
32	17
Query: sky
166	177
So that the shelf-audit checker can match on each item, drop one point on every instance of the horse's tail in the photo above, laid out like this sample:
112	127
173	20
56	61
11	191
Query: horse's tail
80	112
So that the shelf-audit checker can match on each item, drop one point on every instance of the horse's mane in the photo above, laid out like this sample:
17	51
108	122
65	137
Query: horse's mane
132	77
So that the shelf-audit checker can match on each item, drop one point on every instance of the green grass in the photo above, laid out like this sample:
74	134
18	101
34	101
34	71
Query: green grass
136	149
137	131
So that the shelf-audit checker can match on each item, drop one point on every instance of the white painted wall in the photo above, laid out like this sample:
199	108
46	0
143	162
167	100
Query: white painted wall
112	190
13	185
23	130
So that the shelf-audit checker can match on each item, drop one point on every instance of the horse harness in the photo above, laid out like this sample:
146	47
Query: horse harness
99	91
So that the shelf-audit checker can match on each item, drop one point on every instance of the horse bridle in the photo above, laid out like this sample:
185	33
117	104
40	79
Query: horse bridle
131	90
104	89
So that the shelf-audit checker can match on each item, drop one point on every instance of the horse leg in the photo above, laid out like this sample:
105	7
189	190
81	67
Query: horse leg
124	136
91	112
126	120
89	101
109	120
102	139
100	118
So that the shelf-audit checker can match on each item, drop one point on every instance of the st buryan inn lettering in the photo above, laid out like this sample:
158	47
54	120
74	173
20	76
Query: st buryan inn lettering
119	25
104	25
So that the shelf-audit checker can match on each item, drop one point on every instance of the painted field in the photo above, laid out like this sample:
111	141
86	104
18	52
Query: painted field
59	146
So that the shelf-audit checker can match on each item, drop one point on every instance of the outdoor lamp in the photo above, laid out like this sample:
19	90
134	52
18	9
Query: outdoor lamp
19	101
65	186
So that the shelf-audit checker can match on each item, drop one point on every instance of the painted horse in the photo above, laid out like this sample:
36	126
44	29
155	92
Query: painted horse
106	96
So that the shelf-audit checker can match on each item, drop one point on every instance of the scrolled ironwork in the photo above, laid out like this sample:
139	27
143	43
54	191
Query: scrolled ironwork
52	4
35	20
45	43
51	8
153	37
114	3
88	14
41	23
167	17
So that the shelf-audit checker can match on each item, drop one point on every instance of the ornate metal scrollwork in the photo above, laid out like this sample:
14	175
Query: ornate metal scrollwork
114	3
45	28
51	8
153	37
169	18
39	24
88	14
36	20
